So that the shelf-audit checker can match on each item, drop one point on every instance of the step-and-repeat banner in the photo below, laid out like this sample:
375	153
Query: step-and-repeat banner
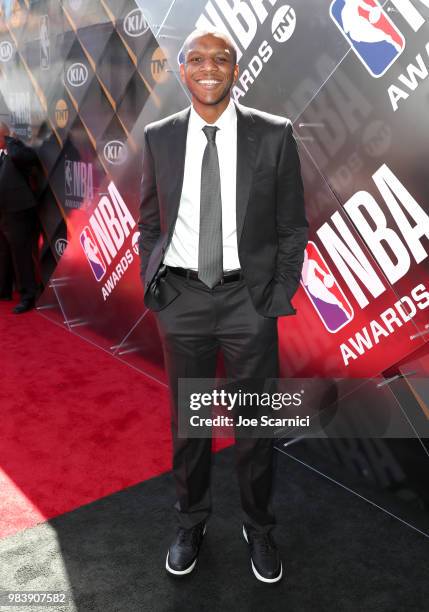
80	79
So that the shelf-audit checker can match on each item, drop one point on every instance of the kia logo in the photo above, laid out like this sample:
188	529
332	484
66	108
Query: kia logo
75	4
135	23
6	51
77	74
60	246
135	242
115	152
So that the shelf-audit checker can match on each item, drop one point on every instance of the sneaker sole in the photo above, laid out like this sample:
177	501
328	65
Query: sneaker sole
255	571
189	569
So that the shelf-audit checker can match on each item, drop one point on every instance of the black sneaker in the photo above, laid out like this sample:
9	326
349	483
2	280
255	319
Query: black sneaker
24	306
183	553
264	556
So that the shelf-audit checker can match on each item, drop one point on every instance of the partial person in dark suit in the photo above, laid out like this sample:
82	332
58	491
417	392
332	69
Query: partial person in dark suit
222	238
18	221
6	268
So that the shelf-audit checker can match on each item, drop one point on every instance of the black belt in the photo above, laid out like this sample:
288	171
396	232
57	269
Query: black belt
228	277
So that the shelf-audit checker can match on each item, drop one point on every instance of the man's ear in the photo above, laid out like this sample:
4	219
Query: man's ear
182	73
236	72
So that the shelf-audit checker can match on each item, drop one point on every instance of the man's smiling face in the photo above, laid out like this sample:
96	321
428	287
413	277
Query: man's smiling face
209	69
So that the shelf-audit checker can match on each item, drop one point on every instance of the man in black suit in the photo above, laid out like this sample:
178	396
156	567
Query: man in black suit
18	221
222	237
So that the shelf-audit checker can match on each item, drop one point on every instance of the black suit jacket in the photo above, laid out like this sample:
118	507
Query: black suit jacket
15	171
271	222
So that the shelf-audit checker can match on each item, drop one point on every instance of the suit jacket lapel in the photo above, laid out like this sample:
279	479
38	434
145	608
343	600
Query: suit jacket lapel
177	152
246	157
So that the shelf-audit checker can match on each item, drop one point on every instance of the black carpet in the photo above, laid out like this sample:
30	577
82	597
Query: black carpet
339	552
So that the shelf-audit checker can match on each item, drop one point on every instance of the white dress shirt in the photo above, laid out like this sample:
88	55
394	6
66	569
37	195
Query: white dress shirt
183	249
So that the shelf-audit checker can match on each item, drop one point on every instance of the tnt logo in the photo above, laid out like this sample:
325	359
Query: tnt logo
61	113
324	292
158	65
283	24
92	252
370	32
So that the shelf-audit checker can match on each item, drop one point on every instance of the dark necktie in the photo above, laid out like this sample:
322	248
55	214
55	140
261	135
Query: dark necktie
210	251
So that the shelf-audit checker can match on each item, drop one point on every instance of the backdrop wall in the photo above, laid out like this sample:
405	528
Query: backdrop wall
80	79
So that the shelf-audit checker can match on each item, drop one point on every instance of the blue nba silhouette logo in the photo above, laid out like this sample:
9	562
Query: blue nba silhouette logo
92	253
324	292
370	32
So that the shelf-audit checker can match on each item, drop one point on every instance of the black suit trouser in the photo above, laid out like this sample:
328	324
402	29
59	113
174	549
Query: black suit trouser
193	328
18	247
6	266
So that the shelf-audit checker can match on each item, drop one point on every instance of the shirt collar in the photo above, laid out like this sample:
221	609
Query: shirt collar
225	121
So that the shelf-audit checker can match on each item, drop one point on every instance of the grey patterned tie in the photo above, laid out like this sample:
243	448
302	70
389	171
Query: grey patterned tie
210	251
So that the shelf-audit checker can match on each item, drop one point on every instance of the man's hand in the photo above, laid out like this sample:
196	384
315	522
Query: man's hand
292	225
149	219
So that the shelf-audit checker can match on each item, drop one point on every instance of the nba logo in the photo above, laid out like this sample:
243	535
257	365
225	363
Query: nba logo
68	177
370	32
324	292
92	253
45	45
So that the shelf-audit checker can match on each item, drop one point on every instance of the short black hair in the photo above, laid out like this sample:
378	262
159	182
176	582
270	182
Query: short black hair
198	34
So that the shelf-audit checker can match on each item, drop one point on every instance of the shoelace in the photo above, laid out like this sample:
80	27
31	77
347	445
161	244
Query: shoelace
187	536
263	540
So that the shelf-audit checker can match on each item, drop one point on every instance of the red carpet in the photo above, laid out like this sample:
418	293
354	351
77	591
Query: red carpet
77	424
